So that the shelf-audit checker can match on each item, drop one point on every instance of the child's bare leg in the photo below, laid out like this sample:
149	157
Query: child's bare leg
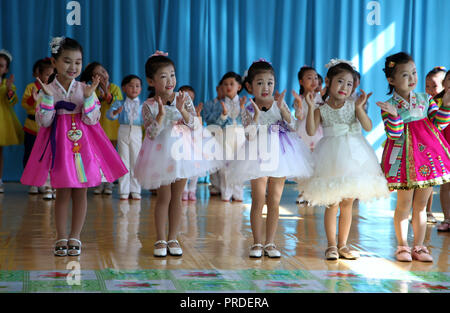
62	203
345	221
79	209
175	214
330	223
258	200
419	215
404	203
274	192
161	211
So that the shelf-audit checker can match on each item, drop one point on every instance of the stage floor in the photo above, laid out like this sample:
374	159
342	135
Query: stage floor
118	238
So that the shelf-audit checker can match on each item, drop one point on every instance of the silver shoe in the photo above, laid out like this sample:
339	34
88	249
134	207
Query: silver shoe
160	252
332	253
174	251
256	253
272	253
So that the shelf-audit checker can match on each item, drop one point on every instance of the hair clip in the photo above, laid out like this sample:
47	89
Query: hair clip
55	44
159	53
262	60
7	54
334	62
440	68
391	64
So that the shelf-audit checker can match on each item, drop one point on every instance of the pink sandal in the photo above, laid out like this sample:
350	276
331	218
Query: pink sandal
444	226
403	254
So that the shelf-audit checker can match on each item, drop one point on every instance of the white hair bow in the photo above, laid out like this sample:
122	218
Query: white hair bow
8	55
55	44
334	62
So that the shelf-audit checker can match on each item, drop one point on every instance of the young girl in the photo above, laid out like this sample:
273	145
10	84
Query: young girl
44	69
308	81
272	153
107	93
416	155
129	114
167	114
70	145
230	122
346	166
433	86
444	193
434	81
11	132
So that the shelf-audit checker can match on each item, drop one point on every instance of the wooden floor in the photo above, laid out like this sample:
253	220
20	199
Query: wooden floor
119	235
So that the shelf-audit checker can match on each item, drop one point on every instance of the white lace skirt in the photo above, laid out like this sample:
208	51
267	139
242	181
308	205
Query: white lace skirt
344	167
272	156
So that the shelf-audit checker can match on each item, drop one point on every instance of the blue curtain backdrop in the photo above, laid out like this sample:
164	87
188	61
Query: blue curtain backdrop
207	38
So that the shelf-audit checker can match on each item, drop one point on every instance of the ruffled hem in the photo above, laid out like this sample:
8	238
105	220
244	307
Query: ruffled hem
328	191
155	184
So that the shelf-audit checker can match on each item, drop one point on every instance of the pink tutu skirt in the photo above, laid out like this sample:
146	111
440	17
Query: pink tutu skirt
173	156
98	157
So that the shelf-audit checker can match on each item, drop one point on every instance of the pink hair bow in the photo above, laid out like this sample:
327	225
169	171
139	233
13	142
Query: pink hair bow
159	53
262	60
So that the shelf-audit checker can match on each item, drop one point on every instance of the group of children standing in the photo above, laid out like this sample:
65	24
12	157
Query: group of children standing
322	147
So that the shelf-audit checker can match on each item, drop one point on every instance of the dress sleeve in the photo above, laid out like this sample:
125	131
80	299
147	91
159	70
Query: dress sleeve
91	110
151	126
393	126
438	114
45	110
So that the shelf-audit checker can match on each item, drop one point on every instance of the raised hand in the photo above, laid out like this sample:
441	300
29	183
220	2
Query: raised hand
256	110
224	108
10	82
279	97
361	101
45	88
34	94
242	102
181	98
161	110
91	88
309	98
118	111
199	109
297	105
103	84
387	107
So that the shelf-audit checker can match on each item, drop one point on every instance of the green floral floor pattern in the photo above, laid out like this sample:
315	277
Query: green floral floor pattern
210	281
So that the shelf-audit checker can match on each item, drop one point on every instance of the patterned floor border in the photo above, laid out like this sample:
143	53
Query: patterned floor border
210	281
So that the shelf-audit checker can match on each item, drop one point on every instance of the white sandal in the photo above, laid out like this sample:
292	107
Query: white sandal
60	250
174	251
160	252
74	250
256	253
272	253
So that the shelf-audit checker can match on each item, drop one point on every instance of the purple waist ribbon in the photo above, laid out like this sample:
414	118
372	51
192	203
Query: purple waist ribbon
69	106
282	129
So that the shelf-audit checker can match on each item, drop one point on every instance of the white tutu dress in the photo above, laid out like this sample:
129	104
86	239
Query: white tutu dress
345	165
272	148
174	150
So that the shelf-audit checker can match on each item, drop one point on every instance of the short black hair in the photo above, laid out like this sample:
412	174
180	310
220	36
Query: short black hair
129	78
